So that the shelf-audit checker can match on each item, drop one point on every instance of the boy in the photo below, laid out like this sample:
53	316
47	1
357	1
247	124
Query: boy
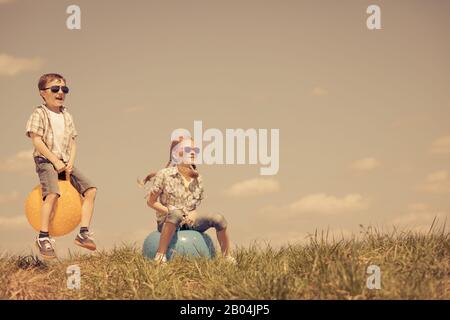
53	133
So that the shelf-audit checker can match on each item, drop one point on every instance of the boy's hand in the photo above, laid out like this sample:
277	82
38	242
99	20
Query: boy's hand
60	166
69	167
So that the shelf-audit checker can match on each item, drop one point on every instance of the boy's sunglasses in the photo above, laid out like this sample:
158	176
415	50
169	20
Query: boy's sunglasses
55	89
189	149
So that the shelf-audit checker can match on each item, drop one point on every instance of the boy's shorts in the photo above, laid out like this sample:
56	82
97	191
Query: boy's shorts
49	177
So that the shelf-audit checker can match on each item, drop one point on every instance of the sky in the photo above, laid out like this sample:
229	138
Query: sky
363	115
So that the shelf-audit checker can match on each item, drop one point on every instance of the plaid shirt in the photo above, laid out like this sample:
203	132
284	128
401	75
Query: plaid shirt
39	123
169	183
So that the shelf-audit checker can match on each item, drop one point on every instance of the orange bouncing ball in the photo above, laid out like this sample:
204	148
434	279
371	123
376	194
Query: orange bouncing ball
67	214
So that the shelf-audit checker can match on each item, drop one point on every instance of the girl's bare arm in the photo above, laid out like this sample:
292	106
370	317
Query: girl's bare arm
152	202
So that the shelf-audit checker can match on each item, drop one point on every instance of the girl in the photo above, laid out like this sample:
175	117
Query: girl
175	193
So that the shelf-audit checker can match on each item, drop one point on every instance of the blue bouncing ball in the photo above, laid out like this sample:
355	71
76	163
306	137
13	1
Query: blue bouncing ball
184	242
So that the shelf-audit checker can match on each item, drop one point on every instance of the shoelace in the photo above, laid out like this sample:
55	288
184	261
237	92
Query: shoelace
48	244
86	235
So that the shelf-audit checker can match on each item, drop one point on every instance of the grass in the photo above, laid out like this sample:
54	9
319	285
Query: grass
413	266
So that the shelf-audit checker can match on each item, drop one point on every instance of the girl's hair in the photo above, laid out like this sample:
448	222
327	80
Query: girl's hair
193	173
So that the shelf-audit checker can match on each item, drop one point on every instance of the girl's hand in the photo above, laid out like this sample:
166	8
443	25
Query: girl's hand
188	221
190	217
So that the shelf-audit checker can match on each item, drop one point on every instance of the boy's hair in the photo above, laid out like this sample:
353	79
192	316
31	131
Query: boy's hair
44	79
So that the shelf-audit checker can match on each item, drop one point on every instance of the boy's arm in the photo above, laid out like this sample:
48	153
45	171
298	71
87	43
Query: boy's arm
73	153
43	149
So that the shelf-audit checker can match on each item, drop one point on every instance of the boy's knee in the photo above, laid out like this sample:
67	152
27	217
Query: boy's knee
175	217
90	193
51	197
219	222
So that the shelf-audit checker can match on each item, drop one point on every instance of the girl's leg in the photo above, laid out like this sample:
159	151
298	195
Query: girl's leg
167	232
171	223
204	221
224	241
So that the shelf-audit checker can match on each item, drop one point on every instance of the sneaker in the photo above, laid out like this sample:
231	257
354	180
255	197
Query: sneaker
230	259
45	246
85	240
160	258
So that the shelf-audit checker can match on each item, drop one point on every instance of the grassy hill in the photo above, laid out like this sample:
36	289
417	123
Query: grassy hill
413	266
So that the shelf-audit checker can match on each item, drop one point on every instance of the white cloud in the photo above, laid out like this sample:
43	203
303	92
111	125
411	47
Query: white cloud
441	145
9	197
436	182
21	162
319	91
13	222
365	164
11	66
325	204
253	187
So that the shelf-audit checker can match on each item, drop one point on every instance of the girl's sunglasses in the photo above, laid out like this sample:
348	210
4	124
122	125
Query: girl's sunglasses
55	89
189	149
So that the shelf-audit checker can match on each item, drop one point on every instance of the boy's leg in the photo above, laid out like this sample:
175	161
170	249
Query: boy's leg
87	208
48	178
88	191
48	210
50	194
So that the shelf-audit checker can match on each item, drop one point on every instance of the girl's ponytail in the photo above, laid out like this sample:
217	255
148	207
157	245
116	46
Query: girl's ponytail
173	144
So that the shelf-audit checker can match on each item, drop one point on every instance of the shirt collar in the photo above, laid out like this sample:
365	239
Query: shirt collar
62	108
173	171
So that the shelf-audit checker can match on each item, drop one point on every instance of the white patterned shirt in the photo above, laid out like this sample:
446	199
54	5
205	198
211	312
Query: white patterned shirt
39	123
168	182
